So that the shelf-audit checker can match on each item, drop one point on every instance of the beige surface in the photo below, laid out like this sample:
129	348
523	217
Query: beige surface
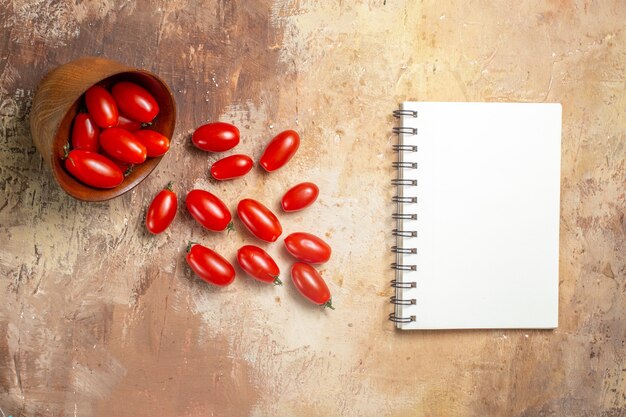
99	318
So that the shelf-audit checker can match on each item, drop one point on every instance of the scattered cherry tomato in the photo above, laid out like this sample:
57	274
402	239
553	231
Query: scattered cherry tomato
93	169
209	265
308	248
231	167
258	264
216	137
156	144
123	145
259	220
280	150
300	196
125	123
85	133
310	284
101	106
135	101
208	210
162	210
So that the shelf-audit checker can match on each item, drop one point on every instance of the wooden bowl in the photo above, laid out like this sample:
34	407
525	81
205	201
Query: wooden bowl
57	101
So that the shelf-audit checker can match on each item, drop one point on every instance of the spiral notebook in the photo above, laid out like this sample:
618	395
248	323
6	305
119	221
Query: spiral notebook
477	220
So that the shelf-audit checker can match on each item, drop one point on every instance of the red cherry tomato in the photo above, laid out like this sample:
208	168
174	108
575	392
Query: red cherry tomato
308	248
156	144
101	106
216	137
135	102
126	167
162	210
125	123
93	169
208	210
209	265
258	264
280	150
231	167
85	133
310	284
300	196
259	220
123	145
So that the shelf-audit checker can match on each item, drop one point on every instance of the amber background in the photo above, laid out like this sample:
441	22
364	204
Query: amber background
98	318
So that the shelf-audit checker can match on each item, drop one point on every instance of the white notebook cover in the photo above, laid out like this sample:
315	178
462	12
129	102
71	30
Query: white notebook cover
488	201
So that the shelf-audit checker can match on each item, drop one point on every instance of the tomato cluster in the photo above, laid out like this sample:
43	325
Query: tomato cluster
212	214
109	138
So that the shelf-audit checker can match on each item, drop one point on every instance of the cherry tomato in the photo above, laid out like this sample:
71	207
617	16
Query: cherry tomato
259	220
231	167
310	284
300	196
308	248
162	210
93	169
216	137
126	167
280	150
135	102
123	145
258	264
209	265
125	123
85	133
156	144
208	210
101	106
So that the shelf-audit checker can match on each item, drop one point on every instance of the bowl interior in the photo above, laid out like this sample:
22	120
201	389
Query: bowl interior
163	123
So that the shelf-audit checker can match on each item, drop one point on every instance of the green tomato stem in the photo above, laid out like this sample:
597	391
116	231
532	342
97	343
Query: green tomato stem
190	244
169	186
277	280
329	304
129	170
66	149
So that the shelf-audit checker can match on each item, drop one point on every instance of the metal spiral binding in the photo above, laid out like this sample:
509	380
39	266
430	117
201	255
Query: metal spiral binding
405	130
404	233
399	301
400	113
409	165
404	200
396	319
401	267
403	181
397	249
404	216
398	284
400	199
404	148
